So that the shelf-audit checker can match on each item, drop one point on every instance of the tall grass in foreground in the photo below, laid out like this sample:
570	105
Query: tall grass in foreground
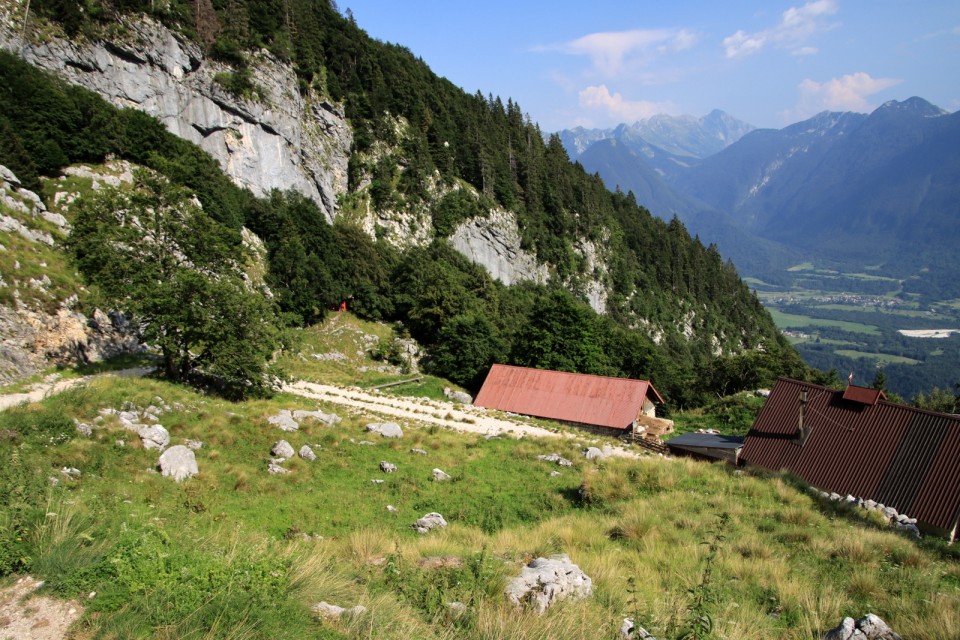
239	553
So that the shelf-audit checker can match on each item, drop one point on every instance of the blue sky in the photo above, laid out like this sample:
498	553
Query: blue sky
597	63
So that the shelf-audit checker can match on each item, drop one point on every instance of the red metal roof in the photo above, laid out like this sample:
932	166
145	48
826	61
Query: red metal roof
863	395
570	397
897	455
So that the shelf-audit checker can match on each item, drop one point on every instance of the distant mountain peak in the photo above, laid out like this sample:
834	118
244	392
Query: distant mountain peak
913	106
684	135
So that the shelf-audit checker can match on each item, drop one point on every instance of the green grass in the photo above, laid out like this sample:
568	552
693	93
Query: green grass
239	553
224	554
880	357
353	342
733	415
785	320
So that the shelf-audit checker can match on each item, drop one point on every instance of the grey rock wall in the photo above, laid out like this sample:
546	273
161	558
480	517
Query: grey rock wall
280	141
494	243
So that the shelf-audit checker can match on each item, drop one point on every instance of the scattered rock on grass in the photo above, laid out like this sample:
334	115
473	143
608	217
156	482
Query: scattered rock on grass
458	396
307	453
594	453
179	463
440	476
333	612
282	449
630	631
555	457
154	437
284	421
419	452
274	467
386	467
386	429
329	419
548	580
869	627
430	521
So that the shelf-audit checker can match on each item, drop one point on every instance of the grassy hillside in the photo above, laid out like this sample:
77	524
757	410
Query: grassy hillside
237	552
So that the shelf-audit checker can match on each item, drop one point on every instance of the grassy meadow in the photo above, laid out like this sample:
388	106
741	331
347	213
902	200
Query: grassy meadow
236	552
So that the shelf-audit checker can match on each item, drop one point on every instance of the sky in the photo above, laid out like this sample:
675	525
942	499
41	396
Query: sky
597	63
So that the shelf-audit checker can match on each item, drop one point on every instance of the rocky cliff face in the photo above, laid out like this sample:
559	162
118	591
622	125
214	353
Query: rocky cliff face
39	320
282	140
494	243
279	139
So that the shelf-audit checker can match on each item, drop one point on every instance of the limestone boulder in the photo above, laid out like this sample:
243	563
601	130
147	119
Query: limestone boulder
282	449
329	419
154	436
555	457
429	522
284	421
457	396
334	612
178	462
869	627
546	581
386	429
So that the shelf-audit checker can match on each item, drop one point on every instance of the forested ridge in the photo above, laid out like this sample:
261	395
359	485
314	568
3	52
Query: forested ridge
661	281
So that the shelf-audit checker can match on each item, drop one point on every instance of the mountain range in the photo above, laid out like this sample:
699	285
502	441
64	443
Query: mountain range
879	189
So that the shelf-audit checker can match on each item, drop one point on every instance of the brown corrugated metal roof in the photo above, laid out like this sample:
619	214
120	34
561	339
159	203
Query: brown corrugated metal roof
863	395
570	397
903	457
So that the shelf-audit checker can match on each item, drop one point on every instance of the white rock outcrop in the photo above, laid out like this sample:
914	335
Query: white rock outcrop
494	243
154	436
386	429
430	521
282	449
546	581
179	463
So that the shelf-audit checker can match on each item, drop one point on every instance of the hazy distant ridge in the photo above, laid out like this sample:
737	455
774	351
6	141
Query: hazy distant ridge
676	135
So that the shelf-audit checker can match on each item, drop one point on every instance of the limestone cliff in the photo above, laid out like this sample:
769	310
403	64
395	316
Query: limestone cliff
276	139
40	319
494	242
280	140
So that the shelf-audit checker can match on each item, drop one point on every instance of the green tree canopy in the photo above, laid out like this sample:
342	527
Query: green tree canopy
154	253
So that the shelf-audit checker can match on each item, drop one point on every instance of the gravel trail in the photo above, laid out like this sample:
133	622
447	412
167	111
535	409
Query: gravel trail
463	418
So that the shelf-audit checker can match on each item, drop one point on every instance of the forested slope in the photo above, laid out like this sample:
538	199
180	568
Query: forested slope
674	306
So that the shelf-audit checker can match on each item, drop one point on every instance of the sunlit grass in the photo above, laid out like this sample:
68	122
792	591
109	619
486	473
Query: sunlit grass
789	565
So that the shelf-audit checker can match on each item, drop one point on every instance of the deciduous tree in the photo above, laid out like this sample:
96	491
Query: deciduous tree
153	252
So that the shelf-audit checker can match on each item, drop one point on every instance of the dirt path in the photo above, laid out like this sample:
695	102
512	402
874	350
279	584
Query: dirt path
43	390
464	418
24	616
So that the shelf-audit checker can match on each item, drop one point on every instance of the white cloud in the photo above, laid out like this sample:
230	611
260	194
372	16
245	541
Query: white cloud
610	50
599	97
805	51
797	24
848	93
